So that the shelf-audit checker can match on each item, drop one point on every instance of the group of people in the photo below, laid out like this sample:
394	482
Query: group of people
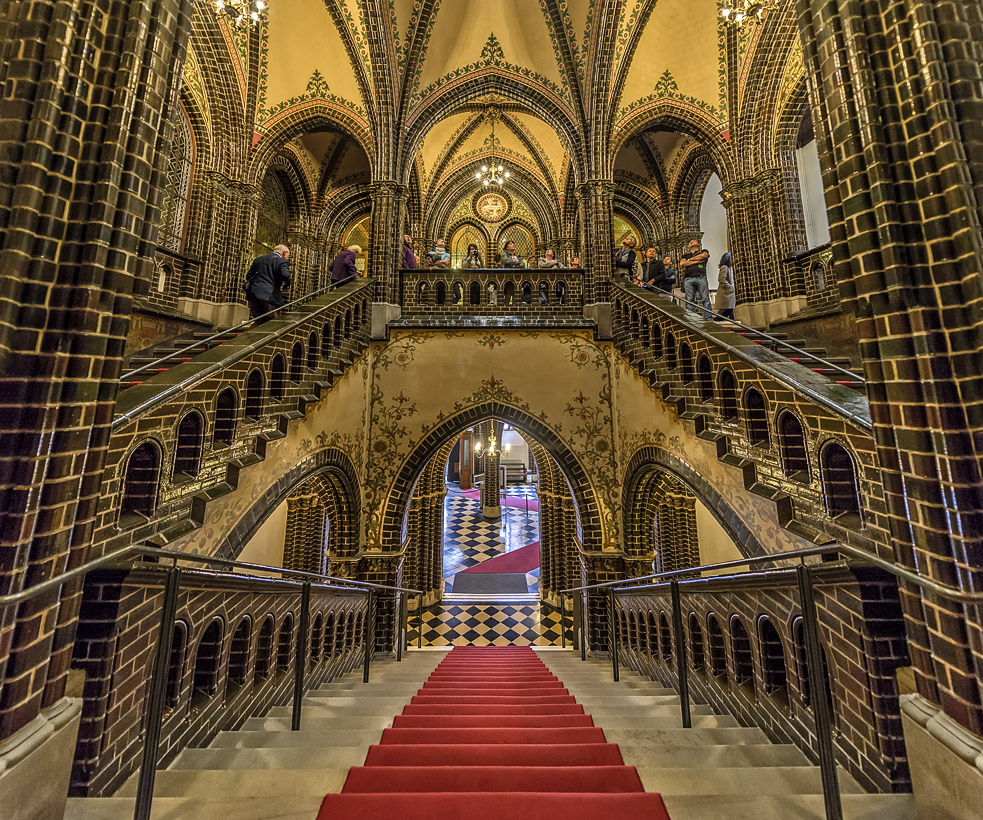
440	257
269	275
659	274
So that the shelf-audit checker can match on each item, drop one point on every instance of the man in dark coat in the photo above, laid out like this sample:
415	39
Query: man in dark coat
343	267
268	276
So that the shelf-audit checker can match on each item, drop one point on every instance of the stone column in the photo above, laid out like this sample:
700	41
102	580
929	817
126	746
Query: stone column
388	212
758	231
898	86
596	202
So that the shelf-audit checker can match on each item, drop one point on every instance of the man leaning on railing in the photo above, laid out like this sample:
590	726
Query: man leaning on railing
266	280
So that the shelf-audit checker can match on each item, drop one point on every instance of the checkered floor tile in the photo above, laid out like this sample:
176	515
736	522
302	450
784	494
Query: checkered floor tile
489	625
469	539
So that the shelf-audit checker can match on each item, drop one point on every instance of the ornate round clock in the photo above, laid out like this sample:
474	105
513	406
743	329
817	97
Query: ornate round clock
492	207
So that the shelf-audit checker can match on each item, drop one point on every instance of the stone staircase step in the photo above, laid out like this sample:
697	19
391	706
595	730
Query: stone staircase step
212	784
332	750
788	807
181	808
742	780
710	756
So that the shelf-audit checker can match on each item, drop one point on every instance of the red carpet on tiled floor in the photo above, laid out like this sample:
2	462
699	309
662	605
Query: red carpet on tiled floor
524	559
493	735
517	501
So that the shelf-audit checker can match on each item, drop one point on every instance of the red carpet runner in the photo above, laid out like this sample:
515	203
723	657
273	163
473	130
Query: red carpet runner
524	559
493	735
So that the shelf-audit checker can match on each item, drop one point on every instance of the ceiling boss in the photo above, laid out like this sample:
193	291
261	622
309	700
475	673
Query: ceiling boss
492	207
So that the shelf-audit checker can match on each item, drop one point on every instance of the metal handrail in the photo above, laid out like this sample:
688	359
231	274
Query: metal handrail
906	575
169	607
822	709
197	376
326	289
853	376
23	595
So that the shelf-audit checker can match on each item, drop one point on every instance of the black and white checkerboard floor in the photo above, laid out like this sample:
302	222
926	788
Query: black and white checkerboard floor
489	625
469	539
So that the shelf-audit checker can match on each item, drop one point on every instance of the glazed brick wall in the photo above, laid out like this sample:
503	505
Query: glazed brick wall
861	629
119	624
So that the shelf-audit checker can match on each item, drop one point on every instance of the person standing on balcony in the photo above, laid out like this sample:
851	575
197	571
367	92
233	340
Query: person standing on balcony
410	261
726	292
343	266
549	260
439	257
473	259
510	259
266	280
693	266
625	260
575	263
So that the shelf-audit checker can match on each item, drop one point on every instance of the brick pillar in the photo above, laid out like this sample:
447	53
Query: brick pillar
548	585
68	262
596	202
598	568
385	252
898	85
384	569
304	546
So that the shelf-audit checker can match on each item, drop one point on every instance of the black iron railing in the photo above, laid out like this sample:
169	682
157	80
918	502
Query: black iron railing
171	563
677	580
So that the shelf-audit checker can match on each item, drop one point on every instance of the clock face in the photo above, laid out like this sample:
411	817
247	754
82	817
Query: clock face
492	207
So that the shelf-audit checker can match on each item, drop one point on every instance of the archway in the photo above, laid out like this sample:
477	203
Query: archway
493	557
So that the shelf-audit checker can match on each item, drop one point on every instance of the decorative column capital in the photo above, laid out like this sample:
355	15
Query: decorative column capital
389	189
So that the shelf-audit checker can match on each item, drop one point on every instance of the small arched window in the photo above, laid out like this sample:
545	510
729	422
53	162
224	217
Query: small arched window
348	324
356	321
645	332
697	659
226	410
743	657
278	377
175	665
254	394
656	340
264	649
341	634
329	636
239	652
509	293
207	662
792	442
774	673
802	666
840	483
652	632
312	351
337	331
704	378
685	363
756	418
141	479
317	634
326	340
187	453
665	637
474	293
716	648
440	293
728	394
284	644
297	363
670	350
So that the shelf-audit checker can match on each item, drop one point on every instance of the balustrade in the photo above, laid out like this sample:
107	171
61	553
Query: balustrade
520	296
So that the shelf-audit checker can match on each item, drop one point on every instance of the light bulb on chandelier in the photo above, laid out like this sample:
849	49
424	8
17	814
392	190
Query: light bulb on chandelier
738	12
493	173
242	11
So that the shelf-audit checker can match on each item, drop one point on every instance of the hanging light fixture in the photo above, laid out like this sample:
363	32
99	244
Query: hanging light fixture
491	448
739	12
242	12
493	173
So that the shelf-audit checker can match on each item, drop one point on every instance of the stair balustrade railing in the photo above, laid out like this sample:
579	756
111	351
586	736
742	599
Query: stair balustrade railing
241	326
306	581
679	300
676	580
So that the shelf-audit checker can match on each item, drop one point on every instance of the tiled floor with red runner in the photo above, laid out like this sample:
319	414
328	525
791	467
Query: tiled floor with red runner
493	735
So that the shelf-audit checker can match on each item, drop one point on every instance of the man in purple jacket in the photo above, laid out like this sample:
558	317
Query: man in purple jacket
343	267
409	258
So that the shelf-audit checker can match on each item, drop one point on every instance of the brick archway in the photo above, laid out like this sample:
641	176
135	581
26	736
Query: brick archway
586	509
340	478
639	474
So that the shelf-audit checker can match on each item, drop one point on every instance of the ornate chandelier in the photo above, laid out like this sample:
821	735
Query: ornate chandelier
491	448
492	173
242	12
738	12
